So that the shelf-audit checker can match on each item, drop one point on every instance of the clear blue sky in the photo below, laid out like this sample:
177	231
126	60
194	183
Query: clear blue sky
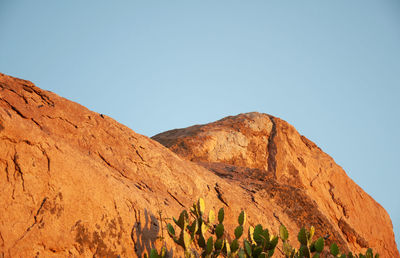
330	68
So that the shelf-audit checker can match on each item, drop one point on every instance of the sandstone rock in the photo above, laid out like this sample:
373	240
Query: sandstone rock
77	183
268	157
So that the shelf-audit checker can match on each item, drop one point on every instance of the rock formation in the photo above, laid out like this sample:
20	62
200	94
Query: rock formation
77	183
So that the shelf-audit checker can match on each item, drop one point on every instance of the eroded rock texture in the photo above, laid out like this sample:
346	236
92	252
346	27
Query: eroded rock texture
77	183
268	158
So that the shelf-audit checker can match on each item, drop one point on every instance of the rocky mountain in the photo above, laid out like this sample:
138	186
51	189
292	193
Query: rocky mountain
267	157
77	183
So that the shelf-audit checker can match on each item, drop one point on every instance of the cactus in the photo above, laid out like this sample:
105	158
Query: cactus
319	245
187	233
308	247
238	231
334	249
283	233
242	218
201	206
219	230
211	217
234	246
232	249
259	242
221	215
155	254
302	236
209	247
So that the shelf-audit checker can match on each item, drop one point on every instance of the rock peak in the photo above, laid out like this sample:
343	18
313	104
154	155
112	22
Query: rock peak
259	150
76	183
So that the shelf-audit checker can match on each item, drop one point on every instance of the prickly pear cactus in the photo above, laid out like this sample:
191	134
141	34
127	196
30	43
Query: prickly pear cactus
206	235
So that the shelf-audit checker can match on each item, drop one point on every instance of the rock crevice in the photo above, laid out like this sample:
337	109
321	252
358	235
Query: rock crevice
272	150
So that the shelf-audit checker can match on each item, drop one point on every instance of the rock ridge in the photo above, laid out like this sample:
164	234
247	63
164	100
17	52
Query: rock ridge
77	183
291	162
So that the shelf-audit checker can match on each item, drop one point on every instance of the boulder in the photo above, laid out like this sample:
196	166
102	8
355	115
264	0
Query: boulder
77	183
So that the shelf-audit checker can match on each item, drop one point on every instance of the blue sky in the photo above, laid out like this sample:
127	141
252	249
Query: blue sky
330	68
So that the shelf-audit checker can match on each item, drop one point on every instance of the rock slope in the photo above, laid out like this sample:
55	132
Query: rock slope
270	159
77	183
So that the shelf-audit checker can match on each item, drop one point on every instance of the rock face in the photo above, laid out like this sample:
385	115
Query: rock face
77	183
271	160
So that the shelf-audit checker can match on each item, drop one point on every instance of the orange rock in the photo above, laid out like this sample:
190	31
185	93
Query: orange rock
77	183
267	156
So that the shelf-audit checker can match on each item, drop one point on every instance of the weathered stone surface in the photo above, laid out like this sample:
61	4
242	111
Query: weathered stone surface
269	158
77	183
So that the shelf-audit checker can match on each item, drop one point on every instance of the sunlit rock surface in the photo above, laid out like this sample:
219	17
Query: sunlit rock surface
77	183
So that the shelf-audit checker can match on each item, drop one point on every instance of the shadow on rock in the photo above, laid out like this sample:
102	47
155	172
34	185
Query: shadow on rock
146	233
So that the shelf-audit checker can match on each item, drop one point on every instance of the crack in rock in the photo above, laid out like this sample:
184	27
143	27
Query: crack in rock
351	234
36	123
111	166
35	217
220	195
19	95
176	199
316	176
14	108
44	154
18	169
337	201
6	169
272	149
63	119
46	99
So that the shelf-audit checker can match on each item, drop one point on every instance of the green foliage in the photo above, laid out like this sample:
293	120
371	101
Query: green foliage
334	250
309	248
221	215
219	230
211	217
238	231
193	232
260	243
283	233
319	245
242	218
195	229
155	254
